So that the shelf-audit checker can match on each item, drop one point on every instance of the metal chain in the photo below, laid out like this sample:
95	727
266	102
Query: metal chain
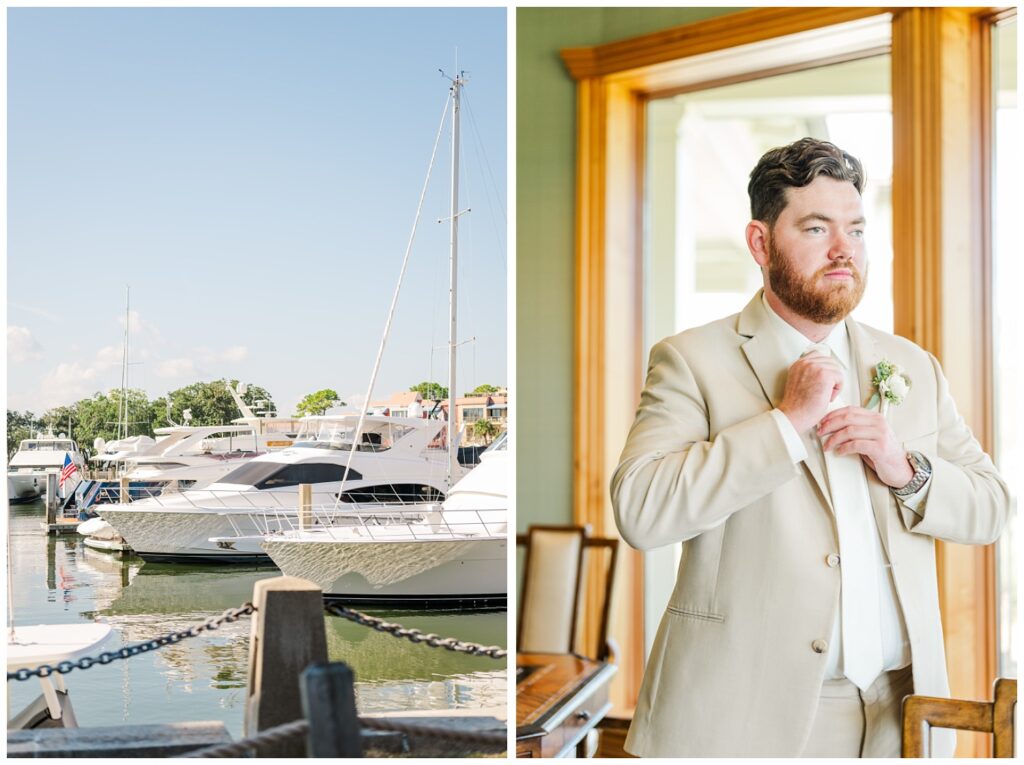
415	635
45	670
297	728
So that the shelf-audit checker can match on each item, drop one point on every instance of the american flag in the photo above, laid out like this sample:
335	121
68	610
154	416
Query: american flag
68	470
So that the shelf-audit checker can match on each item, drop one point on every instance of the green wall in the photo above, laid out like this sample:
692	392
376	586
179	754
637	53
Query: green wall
545	199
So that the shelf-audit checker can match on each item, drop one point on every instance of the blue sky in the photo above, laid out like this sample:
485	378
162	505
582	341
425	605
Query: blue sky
253	174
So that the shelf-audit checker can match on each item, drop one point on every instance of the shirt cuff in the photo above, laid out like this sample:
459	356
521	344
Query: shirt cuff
794	444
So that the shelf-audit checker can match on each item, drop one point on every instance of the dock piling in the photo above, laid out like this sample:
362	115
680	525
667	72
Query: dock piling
305	506
52	500
287	636
329	703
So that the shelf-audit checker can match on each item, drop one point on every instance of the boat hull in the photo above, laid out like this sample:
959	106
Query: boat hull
416	572
183	536
25	487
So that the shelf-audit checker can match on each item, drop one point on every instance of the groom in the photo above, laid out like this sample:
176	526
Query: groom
807	463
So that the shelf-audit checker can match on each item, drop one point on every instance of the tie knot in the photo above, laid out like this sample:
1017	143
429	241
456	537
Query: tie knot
821	348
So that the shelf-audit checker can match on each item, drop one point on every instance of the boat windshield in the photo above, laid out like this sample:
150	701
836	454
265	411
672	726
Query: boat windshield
46	446
275	475
377	437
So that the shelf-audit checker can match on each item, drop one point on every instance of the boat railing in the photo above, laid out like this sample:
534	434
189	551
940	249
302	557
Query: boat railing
373	522
265	500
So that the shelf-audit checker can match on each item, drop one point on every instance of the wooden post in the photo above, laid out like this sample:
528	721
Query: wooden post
52	500
329	703
305	506
287	636
124	495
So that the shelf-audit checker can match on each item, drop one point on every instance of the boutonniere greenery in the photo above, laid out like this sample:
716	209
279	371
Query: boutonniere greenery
891	386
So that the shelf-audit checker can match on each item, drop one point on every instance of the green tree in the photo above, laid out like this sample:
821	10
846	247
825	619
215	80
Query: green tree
484	390
431	391
210	403
319	402
20	425
102	416
486	429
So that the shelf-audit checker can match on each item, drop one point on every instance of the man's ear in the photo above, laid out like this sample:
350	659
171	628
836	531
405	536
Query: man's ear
757	241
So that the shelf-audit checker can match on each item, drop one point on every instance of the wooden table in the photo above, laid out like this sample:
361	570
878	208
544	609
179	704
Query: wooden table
559	699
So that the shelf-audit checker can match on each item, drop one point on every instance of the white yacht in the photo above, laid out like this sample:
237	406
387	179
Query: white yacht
451	554
37	457
182	457
396	460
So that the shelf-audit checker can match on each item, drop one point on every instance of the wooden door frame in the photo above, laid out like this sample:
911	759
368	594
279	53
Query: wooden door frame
941	79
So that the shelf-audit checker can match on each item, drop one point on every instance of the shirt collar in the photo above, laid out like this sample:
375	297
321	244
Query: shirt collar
794	343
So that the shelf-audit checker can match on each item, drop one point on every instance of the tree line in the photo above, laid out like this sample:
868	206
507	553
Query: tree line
207	403
103	415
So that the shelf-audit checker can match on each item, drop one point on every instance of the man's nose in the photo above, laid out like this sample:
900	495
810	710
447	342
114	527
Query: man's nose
841	247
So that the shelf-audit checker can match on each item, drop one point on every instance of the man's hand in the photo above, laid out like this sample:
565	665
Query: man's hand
813	381
855	430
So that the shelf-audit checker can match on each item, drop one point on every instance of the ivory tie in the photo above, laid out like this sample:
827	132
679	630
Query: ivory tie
855	523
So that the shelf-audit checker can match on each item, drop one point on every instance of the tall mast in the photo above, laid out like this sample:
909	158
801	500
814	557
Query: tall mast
453	454
124	361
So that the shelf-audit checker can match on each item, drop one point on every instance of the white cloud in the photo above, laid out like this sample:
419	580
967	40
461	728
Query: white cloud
67	383
234	354
109	356
21	346
176	368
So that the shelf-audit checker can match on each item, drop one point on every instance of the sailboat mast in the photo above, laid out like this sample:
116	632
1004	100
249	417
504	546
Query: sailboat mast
453	454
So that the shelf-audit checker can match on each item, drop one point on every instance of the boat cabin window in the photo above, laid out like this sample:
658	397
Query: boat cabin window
274	475
393	493
46	446
377	437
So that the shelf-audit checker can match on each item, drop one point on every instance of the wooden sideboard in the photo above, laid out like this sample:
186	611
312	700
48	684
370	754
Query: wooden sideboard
559	699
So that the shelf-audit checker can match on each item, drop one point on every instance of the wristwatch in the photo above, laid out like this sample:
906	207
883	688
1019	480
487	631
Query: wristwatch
922	472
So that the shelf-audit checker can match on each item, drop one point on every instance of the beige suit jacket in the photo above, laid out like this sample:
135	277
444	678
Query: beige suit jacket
732	671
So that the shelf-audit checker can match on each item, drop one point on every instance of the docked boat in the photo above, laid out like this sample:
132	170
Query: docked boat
396	460
451	554
35	459
182	457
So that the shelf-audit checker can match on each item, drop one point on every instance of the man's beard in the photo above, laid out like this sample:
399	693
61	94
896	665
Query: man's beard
802	295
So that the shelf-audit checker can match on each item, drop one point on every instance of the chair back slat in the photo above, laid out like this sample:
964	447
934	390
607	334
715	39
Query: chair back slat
922	713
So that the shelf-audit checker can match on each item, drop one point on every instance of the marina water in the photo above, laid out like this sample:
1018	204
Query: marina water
58	580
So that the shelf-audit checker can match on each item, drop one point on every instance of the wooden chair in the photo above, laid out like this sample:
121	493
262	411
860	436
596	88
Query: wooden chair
567	575
921	713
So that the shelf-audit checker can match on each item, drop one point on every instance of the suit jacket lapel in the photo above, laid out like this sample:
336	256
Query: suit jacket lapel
866	355
770	366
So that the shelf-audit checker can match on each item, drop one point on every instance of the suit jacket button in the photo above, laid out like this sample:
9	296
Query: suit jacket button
819	646
832	560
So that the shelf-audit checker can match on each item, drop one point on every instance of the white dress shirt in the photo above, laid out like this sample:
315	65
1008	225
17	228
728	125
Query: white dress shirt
894	639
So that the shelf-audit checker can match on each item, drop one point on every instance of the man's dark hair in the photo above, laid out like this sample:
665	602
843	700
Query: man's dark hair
797	165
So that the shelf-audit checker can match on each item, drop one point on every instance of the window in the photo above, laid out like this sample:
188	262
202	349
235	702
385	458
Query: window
700	148
274	475
472	414
393	493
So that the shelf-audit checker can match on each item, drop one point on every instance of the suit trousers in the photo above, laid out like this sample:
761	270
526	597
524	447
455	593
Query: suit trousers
855	723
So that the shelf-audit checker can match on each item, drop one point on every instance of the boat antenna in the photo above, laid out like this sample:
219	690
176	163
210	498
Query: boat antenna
391	311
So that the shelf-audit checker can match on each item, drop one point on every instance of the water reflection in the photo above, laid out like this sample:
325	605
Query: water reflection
60	580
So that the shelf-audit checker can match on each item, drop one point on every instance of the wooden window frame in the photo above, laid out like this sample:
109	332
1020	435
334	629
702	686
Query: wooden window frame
941	94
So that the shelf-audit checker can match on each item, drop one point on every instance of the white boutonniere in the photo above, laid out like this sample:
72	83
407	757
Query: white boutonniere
891	386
